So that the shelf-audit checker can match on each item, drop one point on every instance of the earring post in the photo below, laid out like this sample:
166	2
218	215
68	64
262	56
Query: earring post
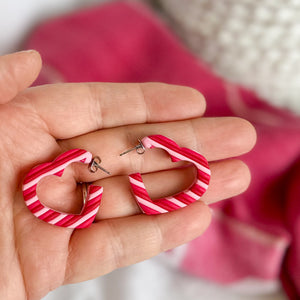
95	165
139	146
99	167
127	151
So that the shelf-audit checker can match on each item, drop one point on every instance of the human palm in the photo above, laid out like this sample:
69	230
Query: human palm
37	124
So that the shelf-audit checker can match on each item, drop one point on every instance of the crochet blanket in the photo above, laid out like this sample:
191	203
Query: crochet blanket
254	235
264	35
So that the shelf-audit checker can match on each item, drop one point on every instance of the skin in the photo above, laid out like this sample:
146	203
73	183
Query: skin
37	124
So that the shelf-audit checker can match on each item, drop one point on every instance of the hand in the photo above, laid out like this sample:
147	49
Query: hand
37	124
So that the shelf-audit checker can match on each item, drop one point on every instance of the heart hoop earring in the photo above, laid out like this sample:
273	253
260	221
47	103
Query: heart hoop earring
176	153
92	196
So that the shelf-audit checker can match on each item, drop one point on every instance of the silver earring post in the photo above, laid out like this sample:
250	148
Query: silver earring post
140	149
95	165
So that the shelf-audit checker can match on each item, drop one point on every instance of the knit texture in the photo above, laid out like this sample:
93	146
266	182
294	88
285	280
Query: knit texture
253	43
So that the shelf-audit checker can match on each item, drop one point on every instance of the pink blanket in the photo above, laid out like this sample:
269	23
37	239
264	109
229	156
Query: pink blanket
256	234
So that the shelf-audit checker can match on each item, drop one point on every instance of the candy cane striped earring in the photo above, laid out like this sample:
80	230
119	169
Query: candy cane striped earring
92	197
176	153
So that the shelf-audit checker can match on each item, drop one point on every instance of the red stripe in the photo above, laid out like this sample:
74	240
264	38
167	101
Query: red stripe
147	210
142	193
195	156
97	199
166	204
71	219
37	207
34	204
29	193
86	223
197	189
192	155
34	171
91	207
47	167
136	176
203	177
163	140
184	198
64	221
74	219
94	188
50	215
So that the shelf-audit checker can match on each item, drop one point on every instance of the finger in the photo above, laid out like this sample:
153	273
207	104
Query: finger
74	109
17	72
39	247
215	138
228	178
116	243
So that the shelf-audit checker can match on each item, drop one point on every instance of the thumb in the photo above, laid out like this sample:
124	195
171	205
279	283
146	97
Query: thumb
17	71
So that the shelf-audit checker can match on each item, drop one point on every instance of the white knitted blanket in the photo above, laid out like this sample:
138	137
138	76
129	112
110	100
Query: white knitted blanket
250	42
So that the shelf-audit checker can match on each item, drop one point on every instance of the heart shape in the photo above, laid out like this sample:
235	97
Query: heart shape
181	199
57	167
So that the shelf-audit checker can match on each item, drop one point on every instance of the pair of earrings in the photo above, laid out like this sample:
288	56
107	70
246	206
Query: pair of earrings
93	193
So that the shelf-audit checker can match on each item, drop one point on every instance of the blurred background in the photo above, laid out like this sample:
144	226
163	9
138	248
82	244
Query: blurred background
19	18
232	36
244	57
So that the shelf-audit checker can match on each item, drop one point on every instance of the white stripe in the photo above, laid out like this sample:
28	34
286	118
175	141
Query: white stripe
31	200
42	211
136	182
181	157
83	219
95	194
150	205
57	219
202	184
62	215
57	169
175	201
92	196
193	195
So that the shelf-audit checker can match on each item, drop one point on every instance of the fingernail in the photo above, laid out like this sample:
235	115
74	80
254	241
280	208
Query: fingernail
28	51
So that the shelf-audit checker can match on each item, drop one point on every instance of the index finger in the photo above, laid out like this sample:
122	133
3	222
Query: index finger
17	71
73	109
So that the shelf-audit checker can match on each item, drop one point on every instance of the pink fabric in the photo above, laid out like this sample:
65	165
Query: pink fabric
256	234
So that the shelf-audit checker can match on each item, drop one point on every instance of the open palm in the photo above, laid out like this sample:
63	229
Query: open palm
37	124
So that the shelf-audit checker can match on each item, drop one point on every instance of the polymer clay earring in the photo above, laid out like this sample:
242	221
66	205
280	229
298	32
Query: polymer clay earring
92	198
182	199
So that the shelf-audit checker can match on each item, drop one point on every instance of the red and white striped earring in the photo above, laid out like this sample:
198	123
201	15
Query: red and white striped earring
92	197
176	153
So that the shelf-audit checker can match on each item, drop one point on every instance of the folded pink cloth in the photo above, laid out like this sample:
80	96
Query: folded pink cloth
256	234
